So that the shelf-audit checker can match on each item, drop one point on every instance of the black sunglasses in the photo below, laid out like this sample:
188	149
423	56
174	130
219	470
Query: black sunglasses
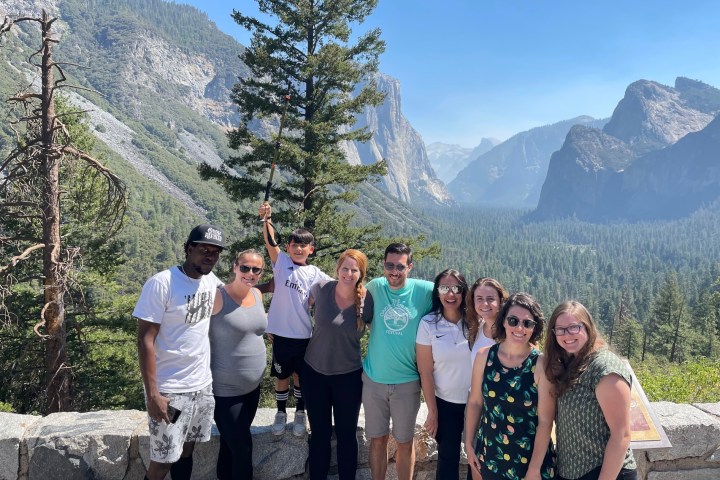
514	321
389	266
246	269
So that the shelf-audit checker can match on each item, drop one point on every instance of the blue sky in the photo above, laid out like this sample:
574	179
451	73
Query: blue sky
492	68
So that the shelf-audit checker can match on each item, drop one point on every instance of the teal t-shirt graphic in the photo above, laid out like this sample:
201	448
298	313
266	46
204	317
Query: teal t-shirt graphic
391	348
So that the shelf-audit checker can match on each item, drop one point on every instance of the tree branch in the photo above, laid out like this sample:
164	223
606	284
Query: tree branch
24	255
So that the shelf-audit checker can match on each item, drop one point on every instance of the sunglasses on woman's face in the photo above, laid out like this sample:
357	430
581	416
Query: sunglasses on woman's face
445	289
527	323
246	269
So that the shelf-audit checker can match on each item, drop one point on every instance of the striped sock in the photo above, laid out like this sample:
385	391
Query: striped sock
299	402
281	397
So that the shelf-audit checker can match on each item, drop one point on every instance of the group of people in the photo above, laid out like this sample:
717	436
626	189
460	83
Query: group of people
473	352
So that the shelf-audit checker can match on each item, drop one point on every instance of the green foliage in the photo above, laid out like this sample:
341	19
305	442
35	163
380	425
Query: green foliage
6	407
92	208
692	381
604	266
305	72
598	265
669	320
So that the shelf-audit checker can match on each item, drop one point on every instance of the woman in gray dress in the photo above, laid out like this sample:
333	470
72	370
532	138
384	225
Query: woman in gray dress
238	361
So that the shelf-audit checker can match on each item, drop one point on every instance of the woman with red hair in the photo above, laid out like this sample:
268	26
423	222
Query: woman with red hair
332	382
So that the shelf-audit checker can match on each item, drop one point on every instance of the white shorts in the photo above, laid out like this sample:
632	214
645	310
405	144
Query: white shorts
193	424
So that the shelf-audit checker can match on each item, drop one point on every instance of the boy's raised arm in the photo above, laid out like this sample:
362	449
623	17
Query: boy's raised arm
265	213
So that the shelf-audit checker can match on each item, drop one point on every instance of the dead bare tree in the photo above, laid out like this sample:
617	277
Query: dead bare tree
31	200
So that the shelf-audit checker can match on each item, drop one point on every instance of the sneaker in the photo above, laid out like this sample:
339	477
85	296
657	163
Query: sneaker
299	427
278	427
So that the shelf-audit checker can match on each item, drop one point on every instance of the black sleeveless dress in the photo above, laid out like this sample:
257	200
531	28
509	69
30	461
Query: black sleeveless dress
509	420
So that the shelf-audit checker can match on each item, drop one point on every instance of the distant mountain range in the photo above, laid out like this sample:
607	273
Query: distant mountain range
165	73
410	177
512	173
657	158
447	160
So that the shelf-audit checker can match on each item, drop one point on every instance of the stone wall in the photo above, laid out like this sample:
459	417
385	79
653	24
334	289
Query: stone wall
114	445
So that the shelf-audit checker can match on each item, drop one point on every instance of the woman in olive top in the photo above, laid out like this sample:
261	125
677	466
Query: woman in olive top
332	382
592	386
237	360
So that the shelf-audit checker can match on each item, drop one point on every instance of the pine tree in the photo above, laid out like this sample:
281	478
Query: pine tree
43	173
668	320
308	81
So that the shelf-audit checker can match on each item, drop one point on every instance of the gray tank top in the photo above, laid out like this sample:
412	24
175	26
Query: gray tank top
237	349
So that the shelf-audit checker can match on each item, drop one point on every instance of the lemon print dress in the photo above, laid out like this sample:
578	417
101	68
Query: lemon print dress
509	419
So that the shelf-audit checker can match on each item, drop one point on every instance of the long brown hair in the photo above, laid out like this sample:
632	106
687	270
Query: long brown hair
563	370
362	262
471	316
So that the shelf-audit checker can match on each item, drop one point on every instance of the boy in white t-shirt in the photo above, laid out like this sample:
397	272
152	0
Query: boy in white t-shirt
289	323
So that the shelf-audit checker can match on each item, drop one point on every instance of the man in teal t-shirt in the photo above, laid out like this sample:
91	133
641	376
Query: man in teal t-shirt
391	384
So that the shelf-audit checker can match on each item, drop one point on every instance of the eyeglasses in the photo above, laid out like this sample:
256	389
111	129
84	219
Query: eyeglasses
514	321
570	329
208	252
246	269
444	289
389	266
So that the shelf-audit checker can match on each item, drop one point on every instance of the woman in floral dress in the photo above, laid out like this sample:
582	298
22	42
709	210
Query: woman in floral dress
505	414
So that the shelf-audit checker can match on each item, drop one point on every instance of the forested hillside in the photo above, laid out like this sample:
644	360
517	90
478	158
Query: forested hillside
649	284
653	286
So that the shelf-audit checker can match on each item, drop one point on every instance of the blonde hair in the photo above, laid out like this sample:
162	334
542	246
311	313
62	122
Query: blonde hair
362	262
244	253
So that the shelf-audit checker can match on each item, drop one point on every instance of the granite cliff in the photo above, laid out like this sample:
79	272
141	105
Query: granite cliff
512	173
655	159
166	84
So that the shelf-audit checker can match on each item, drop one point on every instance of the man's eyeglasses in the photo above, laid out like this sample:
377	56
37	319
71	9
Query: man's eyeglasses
571	329
444	289
246	269
389	266
527	323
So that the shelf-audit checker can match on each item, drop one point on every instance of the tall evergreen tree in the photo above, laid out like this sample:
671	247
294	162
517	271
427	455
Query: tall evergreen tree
669	320
45	168
307	72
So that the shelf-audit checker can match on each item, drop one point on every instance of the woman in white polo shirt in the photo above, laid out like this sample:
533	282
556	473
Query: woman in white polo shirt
443	360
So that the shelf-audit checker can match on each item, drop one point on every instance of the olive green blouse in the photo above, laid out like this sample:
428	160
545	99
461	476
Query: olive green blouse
581	430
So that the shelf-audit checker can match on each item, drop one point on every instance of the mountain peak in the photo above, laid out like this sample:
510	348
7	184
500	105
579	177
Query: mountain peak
656	158
652	115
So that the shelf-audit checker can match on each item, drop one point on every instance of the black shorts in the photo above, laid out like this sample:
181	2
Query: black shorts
288	356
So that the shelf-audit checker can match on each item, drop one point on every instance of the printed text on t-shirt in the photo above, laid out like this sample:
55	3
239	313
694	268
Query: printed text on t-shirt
199	306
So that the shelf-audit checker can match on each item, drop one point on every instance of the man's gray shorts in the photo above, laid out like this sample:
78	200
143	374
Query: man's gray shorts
399	402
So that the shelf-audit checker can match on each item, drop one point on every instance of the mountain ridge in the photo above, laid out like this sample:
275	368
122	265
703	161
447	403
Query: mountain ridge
655	159
524	157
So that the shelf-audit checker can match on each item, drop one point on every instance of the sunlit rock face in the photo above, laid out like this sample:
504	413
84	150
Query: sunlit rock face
655	159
